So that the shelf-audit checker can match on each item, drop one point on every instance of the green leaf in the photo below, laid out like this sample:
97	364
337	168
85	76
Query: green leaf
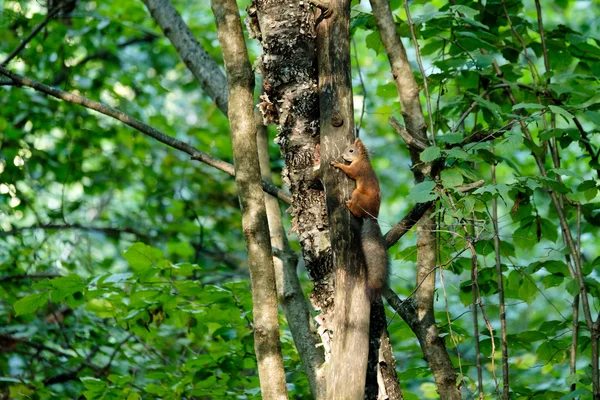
141	257
527	290
66	286
593	116
457	153
133	396
430	154
31	303
373	42
528	105
101	307
451	178
450	138
567	172
94	385
423	192
581	393
586	185
562	112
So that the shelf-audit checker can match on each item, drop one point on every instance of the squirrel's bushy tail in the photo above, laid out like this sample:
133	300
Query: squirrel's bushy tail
376	257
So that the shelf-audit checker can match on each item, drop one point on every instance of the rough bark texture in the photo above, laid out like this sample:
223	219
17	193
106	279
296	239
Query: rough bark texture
348	365
198	61
240	79
289	290
285	29
387	366
382	379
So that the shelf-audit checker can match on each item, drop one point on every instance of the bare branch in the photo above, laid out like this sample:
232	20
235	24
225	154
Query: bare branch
140	126
198	61
34	32
500	278
411	140
408	89
289	290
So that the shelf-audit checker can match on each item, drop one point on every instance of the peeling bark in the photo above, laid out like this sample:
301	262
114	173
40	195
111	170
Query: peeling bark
240	79
286	32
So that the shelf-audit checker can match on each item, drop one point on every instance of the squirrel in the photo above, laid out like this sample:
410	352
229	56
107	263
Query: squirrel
364	204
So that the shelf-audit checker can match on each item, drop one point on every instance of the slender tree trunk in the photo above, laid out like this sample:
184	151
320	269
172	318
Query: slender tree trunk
240	78
423	325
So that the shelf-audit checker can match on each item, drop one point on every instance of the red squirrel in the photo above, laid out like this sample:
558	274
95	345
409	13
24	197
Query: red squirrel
364	203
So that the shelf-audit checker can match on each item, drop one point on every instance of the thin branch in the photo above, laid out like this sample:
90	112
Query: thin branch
140	126
217	254
72	375
475	295
500	278
405	225
538	9
107	230
364	89
412	141
42	347
115	352
99	55
34	32
534	73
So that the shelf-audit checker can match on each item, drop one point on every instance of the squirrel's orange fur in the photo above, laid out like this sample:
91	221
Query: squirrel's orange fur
364	203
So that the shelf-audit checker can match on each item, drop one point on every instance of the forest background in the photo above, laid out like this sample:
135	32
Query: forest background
123	264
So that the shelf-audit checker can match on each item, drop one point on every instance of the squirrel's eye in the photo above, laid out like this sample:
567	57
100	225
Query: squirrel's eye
350	150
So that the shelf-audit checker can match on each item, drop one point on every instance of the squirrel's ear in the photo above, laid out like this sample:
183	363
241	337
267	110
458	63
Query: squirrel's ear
358	141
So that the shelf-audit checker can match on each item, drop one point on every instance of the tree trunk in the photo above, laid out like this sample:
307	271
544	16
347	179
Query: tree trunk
240	79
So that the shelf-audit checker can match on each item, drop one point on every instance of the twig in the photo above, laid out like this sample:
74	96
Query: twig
35	31
534	73
115	352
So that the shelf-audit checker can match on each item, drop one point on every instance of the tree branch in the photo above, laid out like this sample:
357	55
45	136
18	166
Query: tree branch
198	61
34	32
140	126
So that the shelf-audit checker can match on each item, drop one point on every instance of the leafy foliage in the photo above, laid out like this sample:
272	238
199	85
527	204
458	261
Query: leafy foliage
122	263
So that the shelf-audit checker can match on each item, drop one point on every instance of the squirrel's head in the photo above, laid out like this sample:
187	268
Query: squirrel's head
355	151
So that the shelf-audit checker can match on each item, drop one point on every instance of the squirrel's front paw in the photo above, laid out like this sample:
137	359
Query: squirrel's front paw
334	164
